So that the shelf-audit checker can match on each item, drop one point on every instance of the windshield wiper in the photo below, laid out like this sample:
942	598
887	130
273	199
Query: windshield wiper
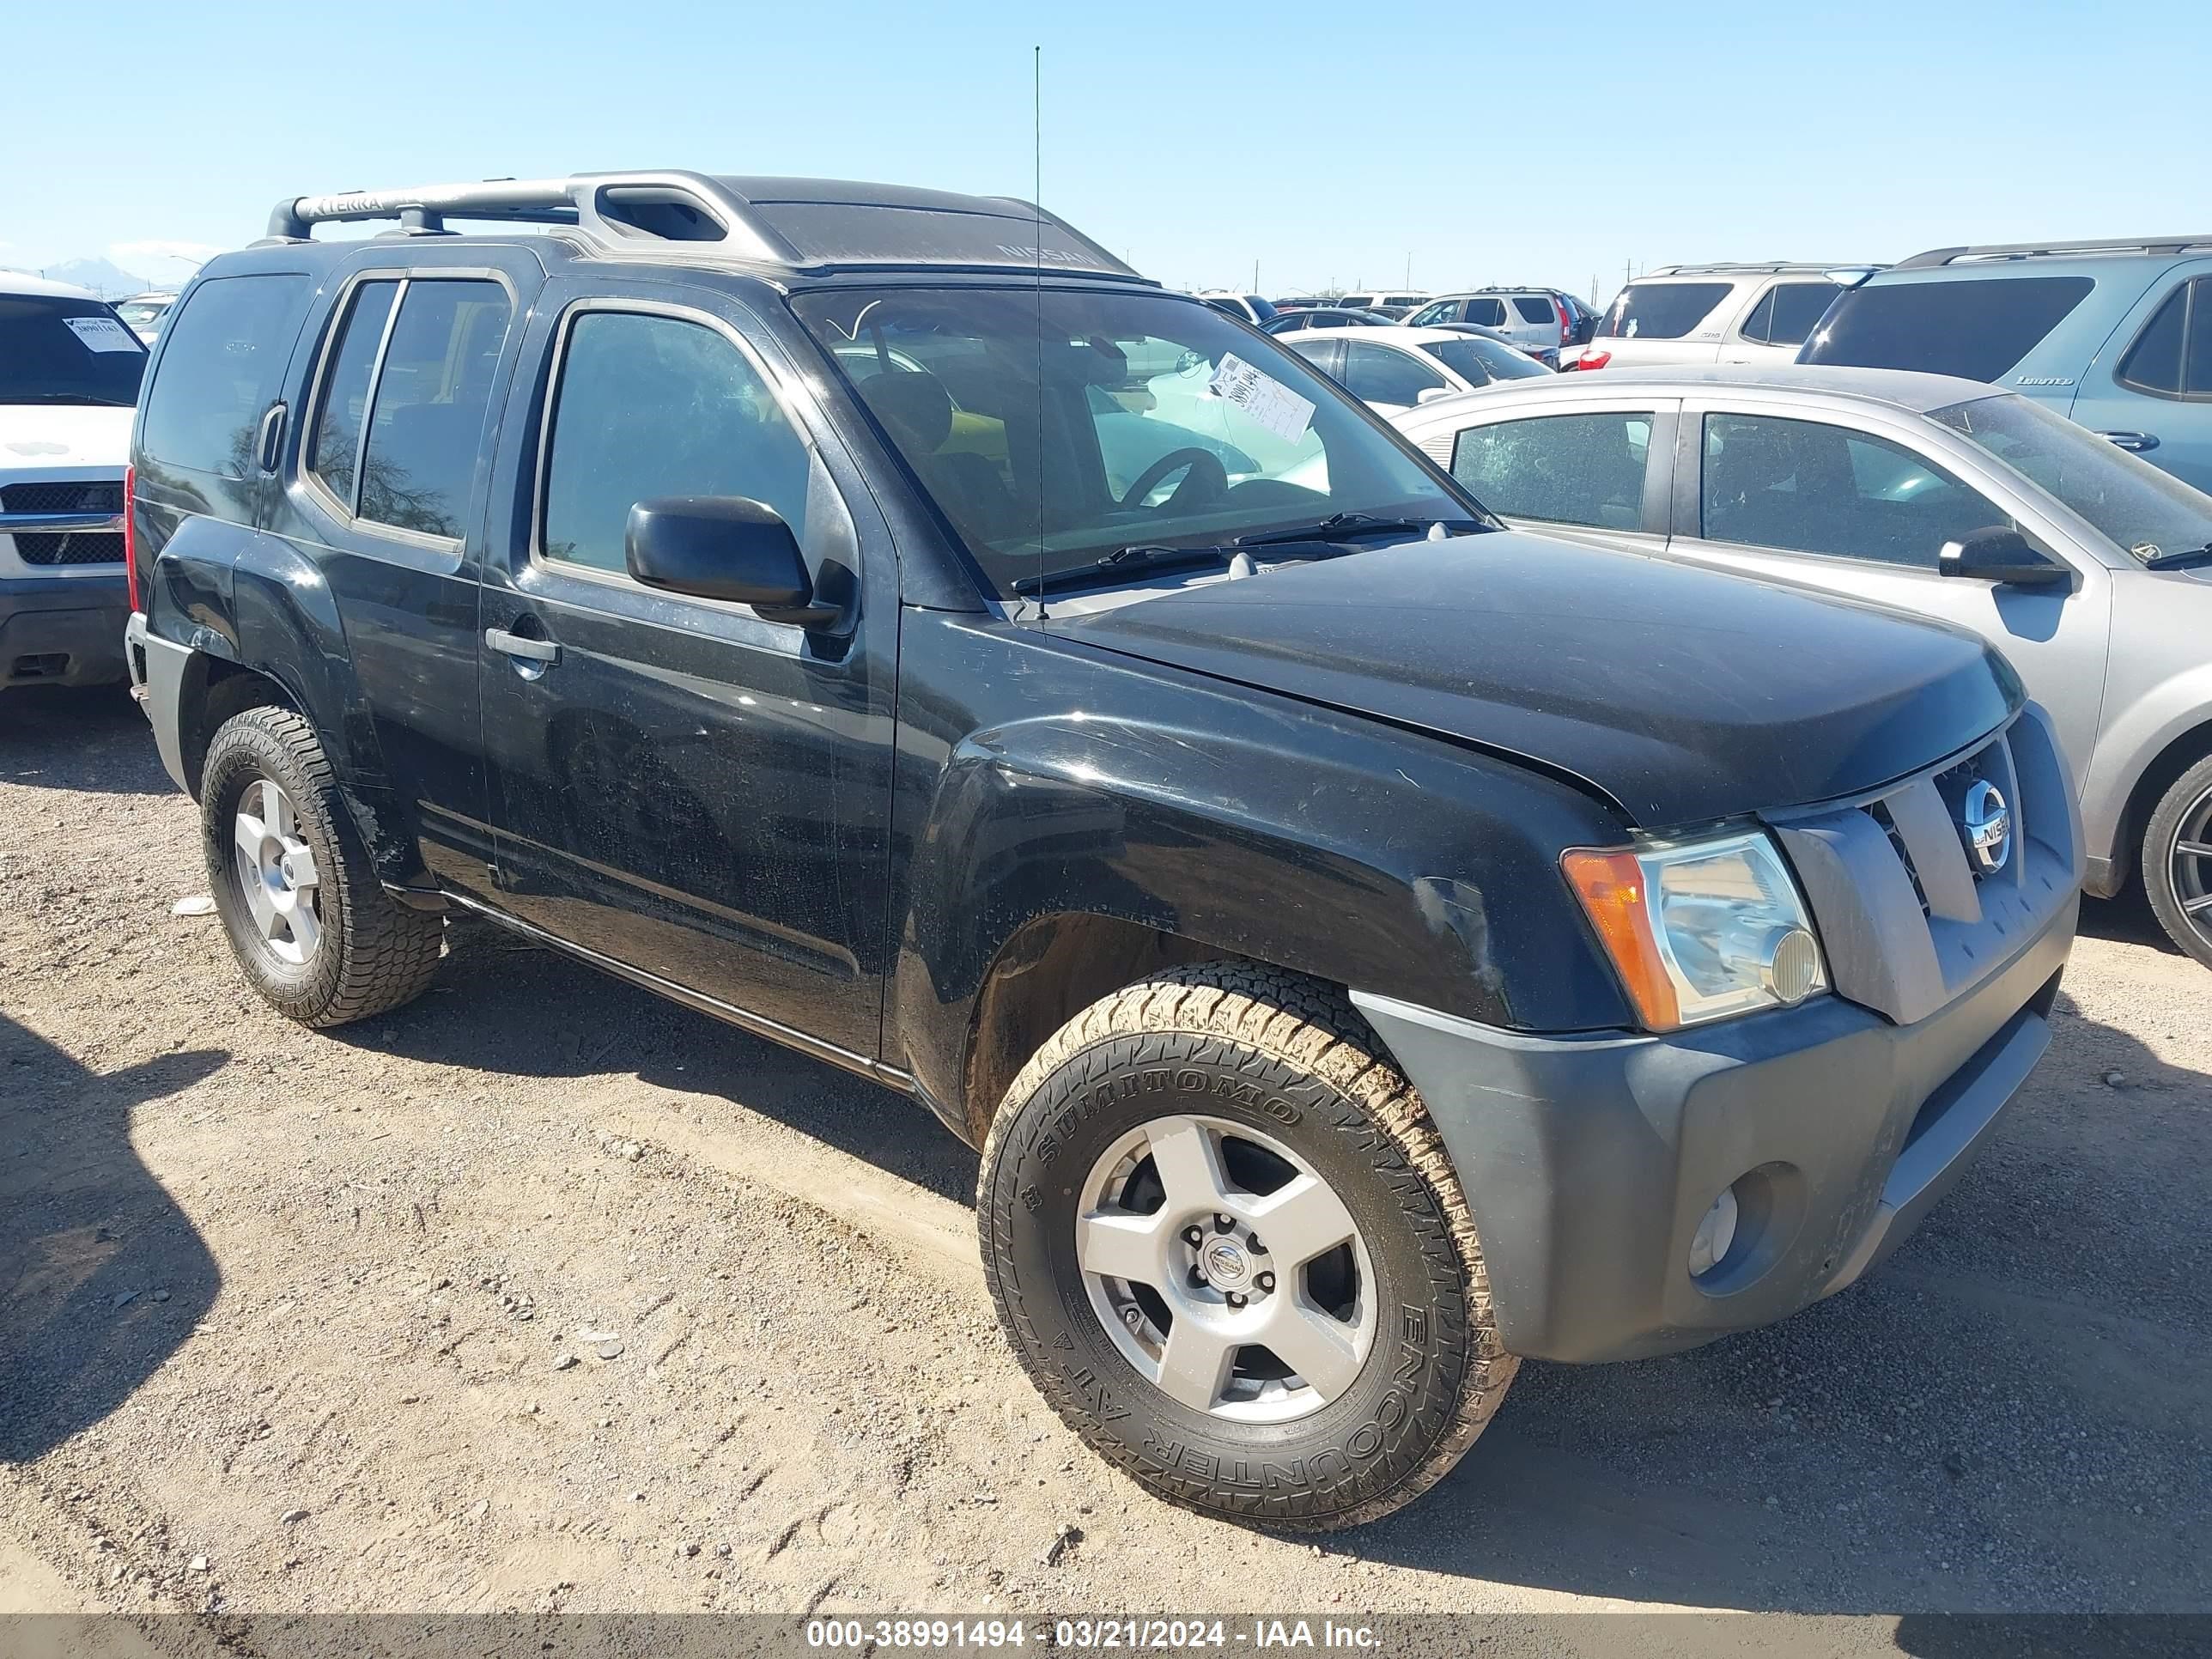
1124	562
2179	556
1344	526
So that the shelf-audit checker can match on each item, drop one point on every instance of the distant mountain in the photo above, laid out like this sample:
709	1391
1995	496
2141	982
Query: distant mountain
103	276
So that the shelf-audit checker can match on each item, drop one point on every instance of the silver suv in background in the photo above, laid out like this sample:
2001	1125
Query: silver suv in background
1943	498
1716	314
1531	318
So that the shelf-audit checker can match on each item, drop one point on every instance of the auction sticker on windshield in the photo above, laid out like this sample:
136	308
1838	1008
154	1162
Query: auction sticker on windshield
106	334
1264	400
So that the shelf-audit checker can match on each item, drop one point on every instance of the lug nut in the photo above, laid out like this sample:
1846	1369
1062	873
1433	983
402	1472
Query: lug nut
1222	1224
1192	1237
1198	1278
1267	1281
1236	1298
1258	1248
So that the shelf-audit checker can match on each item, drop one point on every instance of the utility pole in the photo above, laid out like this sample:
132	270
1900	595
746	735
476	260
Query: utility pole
1255	276
1409	270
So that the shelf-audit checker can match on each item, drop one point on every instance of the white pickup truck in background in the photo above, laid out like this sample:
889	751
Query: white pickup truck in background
69	370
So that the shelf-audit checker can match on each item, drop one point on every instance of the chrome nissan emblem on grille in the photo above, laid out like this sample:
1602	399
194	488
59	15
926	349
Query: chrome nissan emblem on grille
1987	822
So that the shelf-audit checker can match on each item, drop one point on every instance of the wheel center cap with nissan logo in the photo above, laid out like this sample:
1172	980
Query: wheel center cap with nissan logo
1226	1265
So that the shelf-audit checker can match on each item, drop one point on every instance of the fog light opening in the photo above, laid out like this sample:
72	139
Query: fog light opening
1709	1246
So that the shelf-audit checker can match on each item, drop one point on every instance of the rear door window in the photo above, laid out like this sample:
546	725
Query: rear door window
1978	328
225	357
2173	356
1491	314
1785	313
429	393
1561	469
1660	311
1382	374
1809	487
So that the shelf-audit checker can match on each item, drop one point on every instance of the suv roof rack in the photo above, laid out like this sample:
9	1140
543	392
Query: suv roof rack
2163	247
1739	268
801	225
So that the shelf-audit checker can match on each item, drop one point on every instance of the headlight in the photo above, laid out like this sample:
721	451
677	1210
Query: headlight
1700	930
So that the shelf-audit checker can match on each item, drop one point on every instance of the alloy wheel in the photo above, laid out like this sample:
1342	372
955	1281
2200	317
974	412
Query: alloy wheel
276	874
1229	1273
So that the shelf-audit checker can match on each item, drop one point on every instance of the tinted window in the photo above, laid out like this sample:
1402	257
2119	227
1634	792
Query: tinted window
432	390
1660	311
1534	310
1757	326
1379	374
226	352
1478	361
55	349
1795	308
1491	314
2174	352
1562	469
1976	328
1811	488
336	443
1443	311
653	406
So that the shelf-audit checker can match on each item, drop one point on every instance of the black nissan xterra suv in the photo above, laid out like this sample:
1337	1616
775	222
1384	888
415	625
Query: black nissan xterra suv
1369	945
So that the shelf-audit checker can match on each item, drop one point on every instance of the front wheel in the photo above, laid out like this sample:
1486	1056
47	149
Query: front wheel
2177	861
314	930
1228	1248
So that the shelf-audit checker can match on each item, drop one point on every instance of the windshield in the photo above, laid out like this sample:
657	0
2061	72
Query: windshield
1476	360
1135	419
139	312
2142	509
55	349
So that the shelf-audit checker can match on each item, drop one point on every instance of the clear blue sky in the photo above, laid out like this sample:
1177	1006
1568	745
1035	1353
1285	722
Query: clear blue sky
1542	142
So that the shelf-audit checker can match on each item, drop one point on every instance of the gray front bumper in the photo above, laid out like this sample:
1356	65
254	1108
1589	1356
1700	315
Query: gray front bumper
78	620
1589	1161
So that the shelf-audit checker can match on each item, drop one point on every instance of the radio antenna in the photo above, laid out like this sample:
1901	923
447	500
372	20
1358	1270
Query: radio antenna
1036	201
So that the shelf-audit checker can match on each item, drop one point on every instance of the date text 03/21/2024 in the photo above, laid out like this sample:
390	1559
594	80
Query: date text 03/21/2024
1133	1633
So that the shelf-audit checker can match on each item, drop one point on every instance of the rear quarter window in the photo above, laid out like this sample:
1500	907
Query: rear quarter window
224	358
1662	310
1978	328
1534	310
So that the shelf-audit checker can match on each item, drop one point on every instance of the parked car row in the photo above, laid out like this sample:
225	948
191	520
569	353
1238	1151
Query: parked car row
1369	944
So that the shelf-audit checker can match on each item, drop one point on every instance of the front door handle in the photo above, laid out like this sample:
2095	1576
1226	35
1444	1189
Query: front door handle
270	437
2137	442
544	652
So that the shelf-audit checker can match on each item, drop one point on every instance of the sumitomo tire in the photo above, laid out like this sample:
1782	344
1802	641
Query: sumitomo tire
1230	1249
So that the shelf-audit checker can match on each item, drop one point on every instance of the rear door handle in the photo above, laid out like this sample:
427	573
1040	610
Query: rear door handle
515	645
2137	442
271	436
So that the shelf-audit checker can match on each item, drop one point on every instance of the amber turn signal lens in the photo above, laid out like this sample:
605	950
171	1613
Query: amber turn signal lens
1611	887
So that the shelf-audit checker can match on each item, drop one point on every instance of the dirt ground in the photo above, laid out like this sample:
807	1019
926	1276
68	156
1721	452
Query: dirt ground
543	1295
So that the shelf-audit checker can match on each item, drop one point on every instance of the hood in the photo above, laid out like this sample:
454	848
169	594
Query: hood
37	436
1681	694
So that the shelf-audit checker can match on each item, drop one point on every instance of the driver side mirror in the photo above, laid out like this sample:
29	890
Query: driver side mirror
2000	554
724	547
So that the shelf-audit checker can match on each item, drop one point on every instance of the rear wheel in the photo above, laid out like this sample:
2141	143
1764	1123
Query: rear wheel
1228	1248
2177	861
312	927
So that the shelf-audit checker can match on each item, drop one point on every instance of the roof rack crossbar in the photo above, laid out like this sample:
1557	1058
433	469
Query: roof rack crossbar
1744	267
595	202
2163	247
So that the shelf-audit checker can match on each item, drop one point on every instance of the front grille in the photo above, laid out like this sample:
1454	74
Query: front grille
83	547
1879	811
1907	918
101	496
